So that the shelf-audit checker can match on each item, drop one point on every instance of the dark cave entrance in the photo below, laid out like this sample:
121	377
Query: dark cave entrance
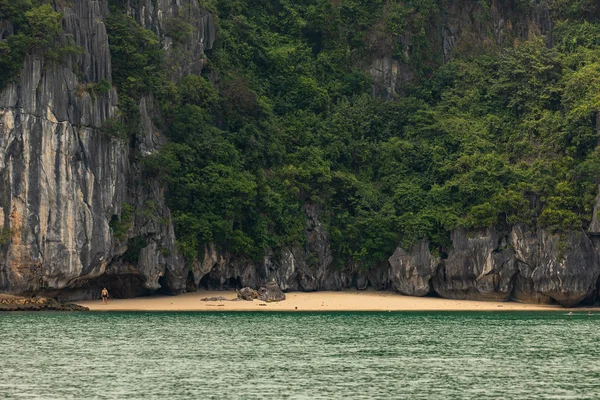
211	282
233	284
119	287
190	283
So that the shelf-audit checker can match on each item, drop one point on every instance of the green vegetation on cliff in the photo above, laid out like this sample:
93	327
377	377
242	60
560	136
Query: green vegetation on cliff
498	135
36	27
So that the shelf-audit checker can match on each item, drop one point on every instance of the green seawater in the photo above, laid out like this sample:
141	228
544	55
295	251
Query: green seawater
413	355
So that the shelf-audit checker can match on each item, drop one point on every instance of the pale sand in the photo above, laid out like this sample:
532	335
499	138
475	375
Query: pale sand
316	301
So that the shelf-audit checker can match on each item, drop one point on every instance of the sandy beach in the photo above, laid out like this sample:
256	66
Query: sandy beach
316	301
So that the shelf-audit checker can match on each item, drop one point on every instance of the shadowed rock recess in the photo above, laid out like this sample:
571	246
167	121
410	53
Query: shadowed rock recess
65	184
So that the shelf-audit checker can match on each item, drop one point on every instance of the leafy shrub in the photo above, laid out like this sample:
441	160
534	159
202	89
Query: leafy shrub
5	235
178	29
101	87
134	246
37	27
121	224
114	128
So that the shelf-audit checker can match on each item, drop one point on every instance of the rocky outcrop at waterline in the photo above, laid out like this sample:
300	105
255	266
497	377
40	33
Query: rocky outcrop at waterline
16	303
410	272
519	264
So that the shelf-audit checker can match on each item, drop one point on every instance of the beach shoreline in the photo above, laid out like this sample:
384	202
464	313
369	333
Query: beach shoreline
349	300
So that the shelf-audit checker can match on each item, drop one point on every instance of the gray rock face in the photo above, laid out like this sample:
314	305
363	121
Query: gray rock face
62	180
185	57
523	265
480	266
56	170
411	272
520	264
551	267
389	75
594	228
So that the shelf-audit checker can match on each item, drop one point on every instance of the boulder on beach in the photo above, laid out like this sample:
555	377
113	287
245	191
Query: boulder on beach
271	292
247	294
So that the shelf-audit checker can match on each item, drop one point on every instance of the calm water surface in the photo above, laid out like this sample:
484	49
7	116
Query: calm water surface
299	355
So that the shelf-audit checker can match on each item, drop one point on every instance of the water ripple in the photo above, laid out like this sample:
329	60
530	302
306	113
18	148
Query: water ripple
299	355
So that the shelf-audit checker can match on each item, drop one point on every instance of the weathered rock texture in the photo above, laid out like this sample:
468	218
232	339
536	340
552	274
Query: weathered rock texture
15	303
271	292
160	15
515	264
247	294
411	272
62	180
479	265
520	264
562	268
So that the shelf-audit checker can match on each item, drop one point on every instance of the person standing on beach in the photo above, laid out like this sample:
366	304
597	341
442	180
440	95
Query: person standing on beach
104	296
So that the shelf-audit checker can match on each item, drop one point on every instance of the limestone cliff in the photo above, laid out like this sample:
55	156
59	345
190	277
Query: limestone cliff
515	264
63	179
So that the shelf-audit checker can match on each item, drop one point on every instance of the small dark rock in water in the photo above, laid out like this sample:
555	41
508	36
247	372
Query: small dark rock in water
220	298
271	292
247	294
16	303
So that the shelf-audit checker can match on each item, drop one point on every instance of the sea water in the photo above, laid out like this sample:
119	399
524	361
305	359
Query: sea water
258	355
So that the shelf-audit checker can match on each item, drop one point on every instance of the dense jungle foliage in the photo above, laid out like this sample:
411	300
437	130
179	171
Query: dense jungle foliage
498	135
283	117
